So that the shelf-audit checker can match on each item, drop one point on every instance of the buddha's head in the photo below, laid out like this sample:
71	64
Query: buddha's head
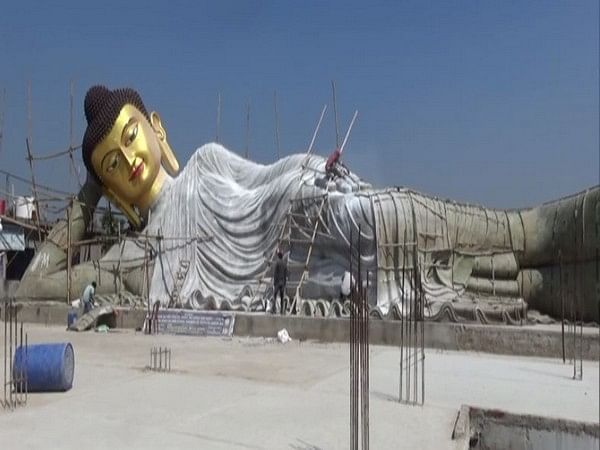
125	149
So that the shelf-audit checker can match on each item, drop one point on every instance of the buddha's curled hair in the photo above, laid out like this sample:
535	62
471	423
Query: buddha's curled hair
102	107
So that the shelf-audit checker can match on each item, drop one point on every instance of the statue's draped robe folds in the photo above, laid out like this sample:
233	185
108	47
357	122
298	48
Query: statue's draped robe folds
224	215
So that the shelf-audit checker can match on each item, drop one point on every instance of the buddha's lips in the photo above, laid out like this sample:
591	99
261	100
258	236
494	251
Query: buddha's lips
137	171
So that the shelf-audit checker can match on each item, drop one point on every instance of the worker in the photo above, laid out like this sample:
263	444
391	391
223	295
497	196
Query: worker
331	166
334	168
87	298
280	275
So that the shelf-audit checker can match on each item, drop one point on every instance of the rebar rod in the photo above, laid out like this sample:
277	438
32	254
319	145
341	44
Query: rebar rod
20	381
409	331
26	365
402	317
351	341
562	303
5	338
366	363
10	364
422	346
415	336
15	381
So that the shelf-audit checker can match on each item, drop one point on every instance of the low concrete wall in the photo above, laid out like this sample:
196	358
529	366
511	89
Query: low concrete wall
509	340
49	313
487	429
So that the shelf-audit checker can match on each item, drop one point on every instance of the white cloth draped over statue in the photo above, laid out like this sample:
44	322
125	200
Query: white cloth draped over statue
224	215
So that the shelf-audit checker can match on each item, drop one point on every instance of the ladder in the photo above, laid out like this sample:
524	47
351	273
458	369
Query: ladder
184	267
296	300
283	236
288	224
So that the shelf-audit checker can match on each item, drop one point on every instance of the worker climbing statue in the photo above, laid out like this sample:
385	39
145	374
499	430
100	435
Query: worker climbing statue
221	218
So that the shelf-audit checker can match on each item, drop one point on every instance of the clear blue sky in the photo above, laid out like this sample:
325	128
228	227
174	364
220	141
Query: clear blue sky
486	102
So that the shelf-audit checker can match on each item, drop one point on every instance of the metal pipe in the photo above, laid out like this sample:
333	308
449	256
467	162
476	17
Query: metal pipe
314	136
335	114
348	132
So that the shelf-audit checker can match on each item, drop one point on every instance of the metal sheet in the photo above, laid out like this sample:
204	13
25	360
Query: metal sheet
11	238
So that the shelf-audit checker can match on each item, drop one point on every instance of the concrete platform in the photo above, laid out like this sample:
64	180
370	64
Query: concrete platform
526	340
258	394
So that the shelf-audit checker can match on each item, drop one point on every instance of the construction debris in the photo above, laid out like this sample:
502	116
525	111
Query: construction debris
88	320
283	336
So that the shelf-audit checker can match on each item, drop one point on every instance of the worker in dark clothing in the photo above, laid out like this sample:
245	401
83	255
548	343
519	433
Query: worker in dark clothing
280	275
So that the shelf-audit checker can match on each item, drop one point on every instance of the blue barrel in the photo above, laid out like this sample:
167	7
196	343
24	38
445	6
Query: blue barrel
71	317
46	367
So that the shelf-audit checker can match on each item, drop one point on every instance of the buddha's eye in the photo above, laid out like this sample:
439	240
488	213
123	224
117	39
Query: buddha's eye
131	135
113	163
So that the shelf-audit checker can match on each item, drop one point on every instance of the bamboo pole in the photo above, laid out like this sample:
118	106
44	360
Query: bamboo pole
247	154
335	115
119	272
35	196
218	116
2	104
276	125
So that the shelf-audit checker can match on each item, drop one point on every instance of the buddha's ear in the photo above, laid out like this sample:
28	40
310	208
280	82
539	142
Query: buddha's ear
168	158
127	209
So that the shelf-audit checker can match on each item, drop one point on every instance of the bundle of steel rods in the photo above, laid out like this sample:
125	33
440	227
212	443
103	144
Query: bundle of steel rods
359	356
16	387
412	327
160	359
572	298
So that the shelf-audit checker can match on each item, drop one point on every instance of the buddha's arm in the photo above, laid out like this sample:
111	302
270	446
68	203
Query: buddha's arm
53	286
51	258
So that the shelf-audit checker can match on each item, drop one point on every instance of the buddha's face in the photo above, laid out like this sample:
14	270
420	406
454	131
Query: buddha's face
128	159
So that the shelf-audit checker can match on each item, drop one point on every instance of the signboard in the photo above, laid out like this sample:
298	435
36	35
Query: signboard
195	323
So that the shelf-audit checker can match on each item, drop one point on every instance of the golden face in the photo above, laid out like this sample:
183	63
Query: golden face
128	159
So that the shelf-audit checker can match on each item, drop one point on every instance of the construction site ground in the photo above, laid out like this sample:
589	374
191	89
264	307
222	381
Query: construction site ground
256	393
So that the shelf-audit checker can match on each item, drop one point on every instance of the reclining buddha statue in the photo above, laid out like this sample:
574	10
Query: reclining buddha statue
205	235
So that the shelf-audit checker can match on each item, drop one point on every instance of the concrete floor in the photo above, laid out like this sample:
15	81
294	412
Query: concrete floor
259	394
